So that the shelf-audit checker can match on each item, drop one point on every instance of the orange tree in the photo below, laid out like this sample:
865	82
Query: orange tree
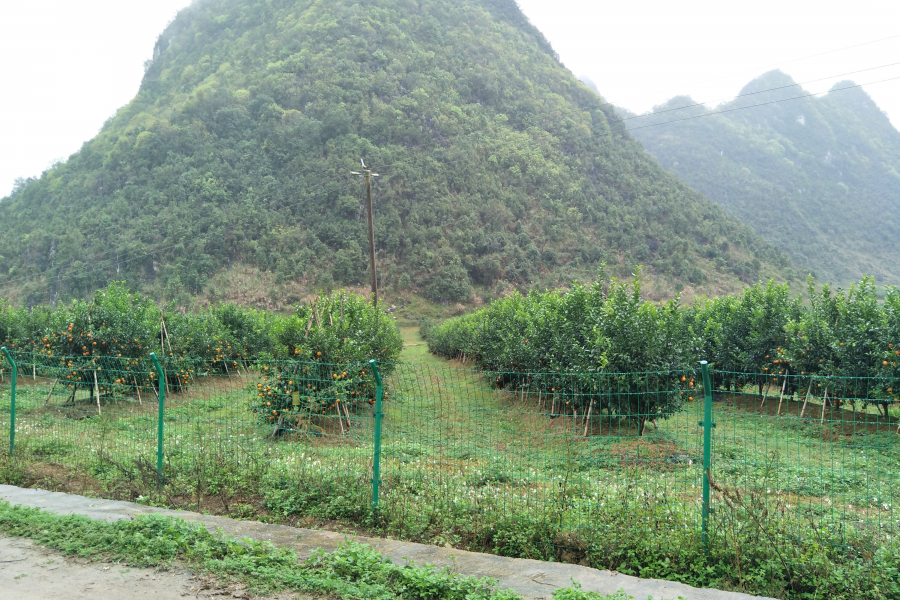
888	367
104	343
841	343
219	341
594	347
320	357
740	334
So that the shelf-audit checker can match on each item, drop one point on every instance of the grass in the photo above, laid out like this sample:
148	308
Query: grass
353	571
802	504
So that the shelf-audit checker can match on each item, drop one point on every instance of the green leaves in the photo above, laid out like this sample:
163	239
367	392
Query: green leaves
759	336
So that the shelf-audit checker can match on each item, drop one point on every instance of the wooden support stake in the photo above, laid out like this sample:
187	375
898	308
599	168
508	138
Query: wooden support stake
347	412
97	393
337	407
138	388
33	373
824	404
166	331
587	420
309	325
806	400
783	385
53	387
763	403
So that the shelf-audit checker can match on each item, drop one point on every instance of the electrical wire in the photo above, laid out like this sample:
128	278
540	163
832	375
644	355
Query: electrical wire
729	110
733	98
793	60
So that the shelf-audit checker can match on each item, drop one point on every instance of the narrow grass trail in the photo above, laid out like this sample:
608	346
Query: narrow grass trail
415	350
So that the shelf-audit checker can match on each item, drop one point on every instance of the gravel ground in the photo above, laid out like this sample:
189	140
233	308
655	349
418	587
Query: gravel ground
32	572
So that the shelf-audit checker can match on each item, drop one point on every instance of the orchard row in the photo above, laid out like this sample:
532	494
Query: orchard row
847	341
104	345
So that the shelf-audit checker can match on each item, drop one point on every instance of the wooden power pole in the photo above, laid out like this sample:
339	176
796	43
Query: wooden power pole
368	174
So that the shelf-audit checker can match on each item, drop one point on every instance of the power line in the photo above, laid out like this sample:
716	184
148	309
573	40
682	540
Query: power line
728	110
793	60
732	98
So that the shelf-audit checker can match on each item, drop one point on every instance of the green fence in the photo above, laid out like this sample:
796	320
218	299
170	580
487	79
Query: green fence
582	457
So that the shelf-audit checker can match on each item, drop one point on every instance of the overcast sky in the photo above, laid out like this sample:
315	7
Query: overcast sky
67	66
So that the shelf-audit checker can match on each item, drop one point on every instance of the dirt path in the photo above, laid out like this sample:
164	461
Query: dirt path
31	572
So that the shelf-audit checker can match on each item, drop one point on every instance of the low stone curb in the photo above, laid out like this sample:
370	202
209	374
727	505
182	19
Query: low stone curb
531	578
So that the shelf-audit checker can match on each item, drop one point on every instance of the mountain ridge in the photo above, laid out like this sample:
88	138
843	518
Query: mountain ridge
815	175
501	170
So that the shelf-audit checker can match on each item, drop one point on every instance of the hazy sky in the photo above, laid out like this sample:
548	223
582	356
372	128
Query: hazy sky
67	66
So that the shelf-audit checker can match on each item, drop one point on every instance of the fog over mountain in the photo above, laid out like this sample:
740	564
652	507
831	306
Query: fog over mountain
818	176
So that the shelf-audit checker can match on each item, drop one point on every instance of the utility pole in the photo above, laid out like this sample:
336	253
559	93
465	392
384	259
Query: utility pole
368	174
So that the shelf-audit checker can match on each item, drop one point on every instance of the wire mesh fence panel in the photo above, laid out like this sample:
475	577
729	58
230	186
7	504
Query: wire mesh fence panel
815	456
577	460
573	455
304	428
97	414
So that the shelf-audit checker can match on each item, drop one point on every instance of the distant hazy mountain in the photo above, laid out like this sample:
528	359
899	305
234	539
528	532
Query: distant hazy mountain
817	176
499	169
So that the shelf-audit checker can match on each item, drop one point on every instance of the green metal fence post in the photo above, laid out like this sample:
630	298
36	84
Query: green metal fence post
379	415
707	426
162	409
12	400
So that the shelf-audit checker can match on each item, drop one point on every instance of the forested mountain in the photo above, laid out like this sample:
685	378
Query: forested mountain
819	177
499	169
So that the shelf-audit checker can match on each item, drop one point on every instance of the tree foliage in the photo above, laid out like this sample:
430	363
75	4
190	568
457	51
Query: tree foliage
845	341
106	343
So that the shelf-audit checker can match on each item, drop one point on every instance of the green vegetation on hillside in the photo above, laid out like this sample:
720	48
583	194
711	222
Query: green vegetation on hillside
819	177
500	170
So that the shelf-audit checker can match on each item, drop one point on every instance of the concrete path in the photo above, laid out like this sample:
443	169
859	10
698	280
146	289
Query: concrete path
531	578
